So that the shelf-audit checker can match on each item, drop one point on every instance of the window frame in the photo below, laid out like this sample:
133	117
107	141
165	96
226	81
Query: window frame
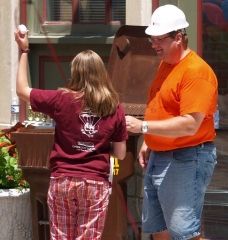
75	16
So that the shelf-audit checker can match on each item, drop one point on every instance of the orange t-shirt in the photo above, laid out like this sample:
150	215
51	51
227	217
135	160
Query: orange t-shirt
187	87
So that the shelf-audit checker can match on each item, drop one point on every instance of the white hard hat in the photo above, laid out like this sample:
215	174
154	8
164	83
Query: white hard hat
166	19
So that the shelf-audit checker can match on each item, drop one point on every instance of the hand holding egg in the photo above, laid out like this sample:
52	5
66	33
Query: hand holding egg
21	38
22	29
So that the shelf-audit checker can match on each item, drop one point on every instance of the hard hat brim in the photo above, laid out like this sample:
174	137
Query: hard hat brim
158	31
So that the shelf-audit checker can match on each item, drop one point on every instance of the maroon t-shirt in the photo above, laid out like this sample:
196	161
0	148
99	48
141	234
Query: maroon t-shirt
82	139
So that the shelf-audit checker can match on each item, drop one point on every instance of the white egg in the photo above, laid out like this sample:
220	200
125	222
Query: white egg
22	29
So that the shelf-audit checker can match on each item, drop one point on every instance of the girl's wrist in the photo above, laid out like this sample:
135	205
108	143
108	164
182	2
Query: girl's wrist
25	50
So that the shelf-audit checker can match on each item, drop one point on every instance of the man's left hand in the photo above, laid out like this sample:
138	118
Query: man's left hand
133	124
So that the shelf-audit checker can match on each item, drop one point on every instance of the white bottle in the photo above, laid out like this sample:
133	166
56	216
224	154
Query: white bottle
14	111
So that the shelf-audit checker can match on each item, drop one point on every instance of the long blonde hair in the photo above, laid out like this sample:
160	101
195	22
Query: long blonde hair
89	77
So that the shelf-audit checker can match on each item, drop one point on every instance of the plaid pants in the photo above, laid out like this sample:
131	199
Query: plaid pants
77	208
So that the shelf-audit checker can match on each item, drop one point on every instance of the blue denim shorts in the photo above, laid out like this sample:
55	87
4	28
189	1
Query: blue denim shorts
175	183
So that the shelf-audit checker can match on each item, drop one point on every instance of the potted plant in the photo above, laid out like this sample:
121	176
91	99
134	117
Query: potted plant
14	191
10	174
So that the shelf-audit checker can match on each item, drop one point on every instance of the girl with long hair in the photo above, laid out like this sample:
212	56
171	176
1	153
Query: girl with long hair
90	126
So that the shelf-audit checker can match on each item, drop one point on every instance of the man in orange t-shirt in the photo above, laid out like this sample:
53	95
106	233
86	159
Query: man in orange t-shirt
178	152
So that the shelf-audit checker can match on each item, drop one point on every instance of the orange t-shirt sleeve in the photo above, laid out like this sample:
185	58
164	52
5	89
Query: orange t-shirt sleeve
197	95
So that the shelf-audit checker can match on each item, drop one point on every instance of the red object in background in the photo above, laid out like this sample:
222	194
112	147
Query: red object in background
215	15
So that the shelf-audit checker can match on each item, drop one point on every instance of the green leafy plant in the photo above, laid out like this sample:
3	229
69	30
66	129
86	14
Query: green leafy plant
10	173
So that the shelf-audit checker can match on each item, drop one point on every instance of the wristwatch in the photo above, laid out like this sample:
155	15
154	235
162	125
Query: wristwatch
144	127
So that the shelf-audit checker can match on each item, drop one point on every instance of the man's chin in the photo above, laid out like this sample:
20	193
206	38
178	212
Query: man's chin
160	56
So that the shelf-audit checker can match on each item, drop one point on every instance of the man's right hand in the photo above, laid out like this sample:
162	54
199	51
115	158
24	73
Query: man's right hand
144	155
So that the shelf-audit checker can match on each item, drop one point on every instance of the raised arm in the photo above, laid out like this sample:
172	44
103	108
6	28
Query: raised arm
22	87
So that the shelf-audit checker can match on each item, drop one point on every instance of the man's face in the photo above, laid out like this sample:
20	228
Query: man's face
164	46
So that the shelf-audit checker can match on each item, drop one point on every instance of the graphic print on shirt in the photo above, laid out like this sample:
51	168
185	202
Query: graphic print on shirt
89	128
84	146
89	121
